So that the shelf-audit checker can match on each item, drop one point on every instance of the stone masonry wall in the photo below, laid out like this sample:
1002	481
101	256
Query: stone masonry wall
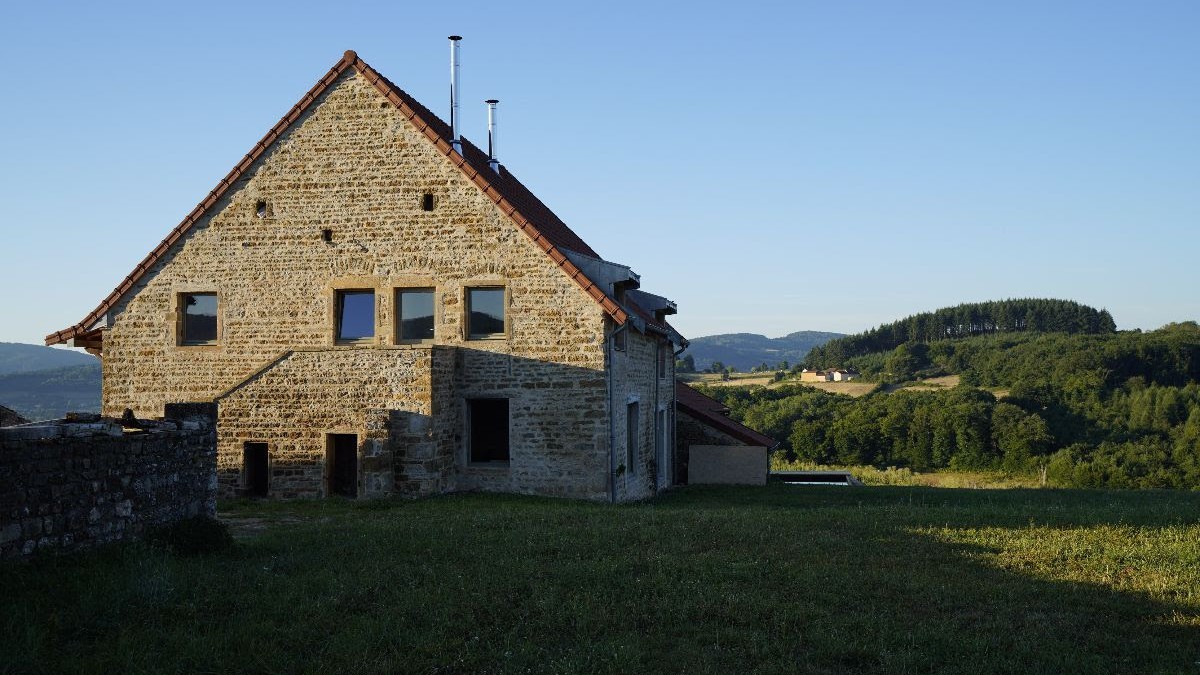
355	166
70	486
635	378
375	393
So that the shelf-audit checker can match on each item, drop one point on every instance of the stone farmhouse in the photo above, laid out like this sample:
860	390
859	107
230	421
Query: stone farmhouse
377	306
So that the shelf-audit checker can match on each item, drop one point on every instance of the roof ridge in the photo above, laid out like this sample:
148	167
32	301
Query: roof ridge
401	100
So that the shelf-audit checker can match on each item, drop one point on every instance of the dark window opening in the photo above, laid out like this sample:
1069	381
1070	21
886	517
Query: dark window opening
485	312
327	236
488	429
342	465
660	448
355	315
255	462
632	425
427	201
414	314
199	318
261	209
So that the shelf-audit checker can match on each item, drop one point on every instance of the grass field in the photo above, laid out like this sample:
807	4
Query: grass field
903	476
702	580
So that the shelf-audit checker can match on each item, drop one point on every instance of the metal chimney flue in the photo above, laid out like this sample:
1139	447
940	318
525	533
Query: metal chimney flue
455	94
493	161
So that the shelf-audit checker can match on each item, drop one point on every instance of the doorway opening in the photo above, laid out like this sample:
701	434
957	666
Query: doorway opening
341	462
256	469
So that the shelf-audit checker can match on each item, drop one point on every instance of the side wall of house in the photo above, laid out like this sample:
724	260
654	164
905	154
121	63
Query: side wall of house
636	380
355	167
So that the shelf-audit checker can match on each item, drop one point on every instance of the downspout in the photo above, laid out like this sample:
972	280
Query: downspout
674	446
612	407
654	420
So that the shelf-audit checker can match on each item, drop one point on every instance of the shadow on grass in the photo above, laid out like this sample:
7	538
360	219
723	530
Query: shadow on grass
934	580
702	580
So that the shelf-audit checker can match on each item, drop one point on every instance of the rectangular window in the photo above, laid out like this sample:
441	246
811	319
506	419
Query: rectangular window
355	315
414	314
660	448
632	426
199	312
487	430
485	313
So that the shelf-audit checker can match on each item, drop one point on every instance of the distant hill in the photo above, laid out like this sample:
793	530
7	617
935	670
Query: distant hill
21	358
1024	315
747	350
48	394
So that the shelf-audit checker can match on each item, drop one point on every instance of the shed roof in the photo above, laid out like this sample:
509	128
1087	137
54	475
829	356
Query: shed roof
716	415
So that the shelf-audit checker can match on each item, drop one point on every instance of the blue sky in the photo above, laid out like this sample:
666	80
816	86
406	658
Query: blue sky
772	167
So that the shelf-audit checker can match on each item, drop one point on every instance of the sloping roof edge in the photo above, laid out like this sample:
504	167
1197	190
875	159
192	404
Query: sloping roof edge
395	96
713	413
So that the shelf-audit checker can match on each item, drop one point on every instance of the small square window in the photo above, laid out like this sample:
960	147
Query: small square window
414	314
487	436
199	312
485	313
355	315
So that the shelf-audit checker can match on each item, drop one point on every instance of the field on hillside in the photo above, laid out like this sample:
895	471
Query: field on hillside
703	580
854	389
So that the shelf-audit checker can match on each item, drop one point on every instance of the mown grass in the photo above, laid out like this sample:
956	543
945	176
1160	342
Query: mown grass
903	476
703	580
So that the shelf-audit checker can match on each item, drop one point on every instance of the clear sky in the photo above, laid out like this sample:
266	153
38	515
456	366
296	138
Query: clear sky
772	167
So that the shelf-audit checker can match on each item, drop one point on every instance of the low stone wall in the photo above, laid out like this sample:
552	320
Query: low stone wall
78	483
728	464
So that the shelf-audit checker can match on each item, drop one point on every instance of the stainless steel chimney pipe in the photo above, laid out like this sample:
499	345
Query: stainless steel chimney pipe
455	94
493	161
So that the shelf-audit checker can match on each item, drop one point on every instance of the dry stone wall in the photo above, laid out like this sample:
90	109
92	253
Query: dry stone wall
66	486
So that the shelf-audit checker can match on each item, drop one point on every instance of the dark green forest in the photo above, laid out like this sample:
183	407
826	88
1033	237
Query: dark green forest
1084	410
967	320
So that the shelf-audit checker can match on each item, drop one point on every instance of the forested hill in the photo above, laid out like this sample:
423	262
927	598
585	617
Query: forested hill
22	358
967	320
747	350
1116	410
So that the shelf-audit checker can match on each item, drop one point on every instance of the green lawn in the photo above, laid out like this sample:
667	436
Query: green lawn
704	580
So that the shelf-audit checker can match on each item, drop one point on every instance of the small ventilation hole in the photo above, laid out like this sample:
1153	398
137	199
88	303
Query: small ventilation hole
427	201
327	235
261	209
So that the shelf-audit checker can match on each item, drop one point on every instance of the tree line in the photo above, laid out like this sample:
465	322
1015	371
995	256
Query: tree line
1117	410
966	320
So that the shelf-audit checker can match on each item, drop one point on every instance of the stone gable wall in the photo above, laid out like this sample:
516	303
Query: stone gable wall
355	166
71	486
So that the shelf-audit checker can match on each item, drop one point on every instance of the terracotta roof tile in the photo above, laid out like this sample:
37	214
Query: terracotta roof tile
715	414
